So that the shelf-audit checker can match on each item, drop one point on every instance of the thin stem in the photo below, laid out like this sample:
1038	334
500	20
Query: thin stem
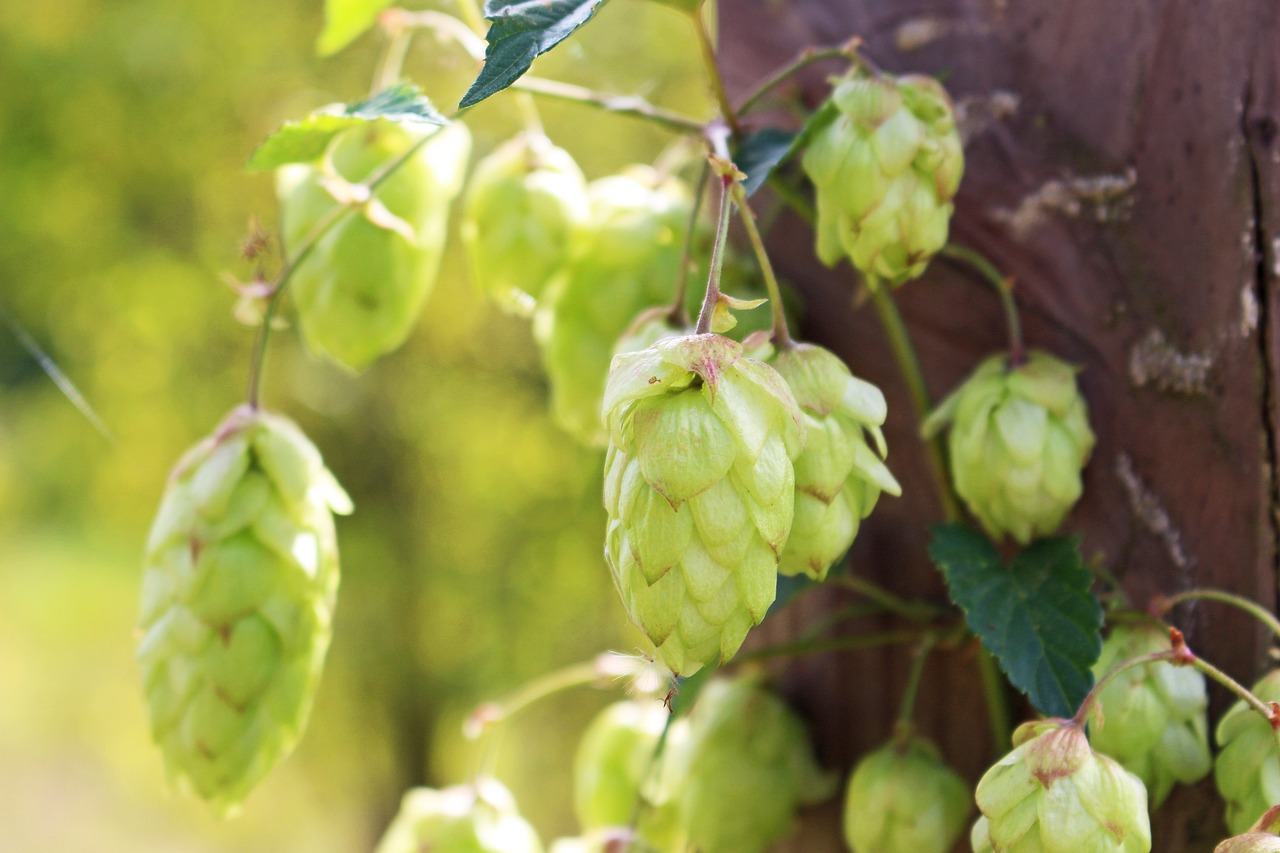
781	333
621	104
1263	708
470	11
566	678
709	301
804	59
913	679
996	700
650	768
393	55
1257	611
915	611
707	47
801	648
680	313
529	113
1091	699
1004	288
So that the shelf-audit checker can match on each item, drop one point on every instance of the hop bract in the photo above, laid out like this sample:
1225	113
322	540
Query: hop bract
237	602
1054	794
1247	769
1019	440
360	290
885	169
479	818
525	203
1154	716
1262	837
699	491
903	799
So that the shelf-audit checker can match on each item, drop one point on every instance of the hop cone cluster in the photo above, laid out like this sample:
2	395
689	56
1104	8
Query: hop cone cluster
360	290
1247	769
237	601
1262	837
1054	794
1019	440
885	169
522	209
699	491
1153	717
480	818
901	797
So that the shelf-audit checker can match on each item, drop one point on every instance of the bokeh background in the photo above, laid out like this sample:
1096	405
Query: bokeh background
473	562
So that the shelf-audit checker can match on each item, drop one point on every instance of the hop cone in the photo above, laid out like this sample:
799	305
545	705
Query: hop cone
699	491
464	819
1154	716
360	290
237	600
903	799
1054	794
522	208
885	169
614	840
839	476
1247	769
1262	837
1019	439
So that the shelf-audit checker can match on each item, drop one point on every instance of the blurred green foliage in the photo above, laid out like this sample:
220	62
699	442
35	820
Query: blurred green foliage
473	561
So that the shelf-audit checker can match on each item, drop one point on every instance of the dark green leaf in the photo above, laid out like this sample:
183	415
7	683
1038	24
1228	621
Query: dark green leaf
521	31
760	153
1037	615
820	118
402	103
345	20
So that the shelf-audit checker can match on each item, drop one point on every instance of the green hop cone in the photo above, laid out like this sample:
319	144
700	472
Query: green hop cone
524	205
360	290
885	169
1153	717
1247	769
1019	440
612	840
479	818
902	798
699	491
1262	837
1054	794
238	591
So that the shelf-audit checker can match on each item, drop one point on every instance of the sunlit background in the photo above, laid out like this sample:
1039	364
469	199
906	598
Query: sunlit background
473	561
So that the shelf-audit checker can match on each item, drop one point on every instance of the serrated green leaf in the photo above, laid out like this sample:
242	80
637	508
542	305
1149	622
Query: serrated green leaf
1037	615
402	103
345	20
760	153
521	31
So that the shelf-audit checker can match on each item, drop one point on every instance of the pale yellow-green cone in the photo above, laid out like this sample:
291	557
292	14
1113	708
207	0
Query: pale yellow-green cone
612	840
903	799
1154	716
523	207
1262	837
1247	769
360	290
238	589
1019	440
699	491
885	170
480	818
1054	794
840	473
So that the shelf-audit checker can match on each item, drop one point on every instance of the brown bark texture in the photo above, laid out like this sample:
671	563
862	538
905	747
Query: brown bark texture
1123	166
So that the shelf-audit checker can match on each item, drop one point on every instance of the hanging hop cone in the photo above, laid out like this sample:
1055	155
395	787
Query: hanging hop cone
522	209
360	290
1247	769
699	491
1262	837
480	818
1020	438
1054	794
839	476
613	840
902	798
885	168
1153	717
237	602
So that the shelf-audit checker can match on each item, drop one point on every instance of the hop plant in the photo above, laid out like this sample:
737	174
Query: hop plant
522	209
360	290
1154	716
1019	440
699	491
901	797
237	602
1262	837
479	818
885	168
1054	794
1247	769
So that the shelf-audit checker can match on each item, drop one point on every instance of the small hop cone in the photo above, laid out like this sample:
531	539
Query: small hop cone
1054	794
1019	440
480	818
885	169
522	210
1153	717
1247	769
360	290
1262	837
903	798
613	840
699	491
238	592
